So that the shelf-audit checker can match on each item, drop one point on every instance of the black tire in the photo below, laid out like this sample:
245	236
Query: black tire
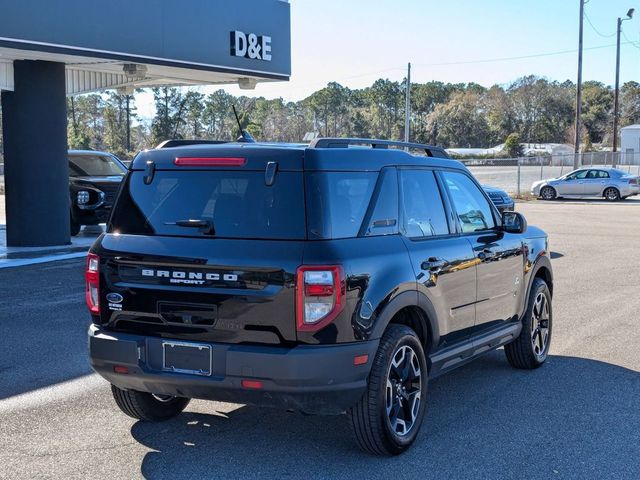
75	228
548	193
369	417
147	407
611	194
529	351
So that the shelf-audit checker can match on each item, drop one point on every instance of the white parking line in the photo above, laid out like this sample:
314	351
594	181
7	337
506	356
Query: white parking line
52	394
21	262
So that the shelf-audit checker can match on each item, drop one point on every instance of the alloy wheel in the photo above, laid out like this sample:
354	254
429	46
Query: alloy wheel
540	325
404	386
548	193
611	194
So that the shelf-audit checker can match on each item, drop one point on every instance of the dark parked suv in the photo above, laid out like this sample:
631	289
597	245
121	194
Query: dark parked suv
322	279
94	180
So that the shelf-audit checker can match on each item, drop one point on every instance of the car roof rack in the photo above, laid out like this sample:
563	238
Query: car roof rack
183	143
375	143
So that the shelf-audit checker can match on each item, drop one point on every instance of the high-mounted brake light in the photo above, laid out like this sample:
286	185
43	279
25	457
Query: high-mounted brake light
92	278
210	161
320	294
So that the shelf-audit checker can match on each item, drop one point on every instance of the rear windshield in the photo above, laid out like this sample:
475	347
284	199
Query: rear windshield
228	204
95	166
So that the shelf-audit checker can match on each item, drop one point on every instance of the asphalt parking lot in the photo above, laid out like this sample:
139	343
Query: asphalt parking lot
577	417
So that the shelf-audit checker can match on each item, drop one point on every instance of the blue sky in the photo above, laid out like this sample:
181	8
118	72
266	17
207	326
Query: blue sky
355	42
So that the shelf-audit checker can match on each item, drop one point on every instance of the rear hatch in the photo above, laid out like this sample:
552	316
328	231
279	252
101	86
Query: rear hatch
203	244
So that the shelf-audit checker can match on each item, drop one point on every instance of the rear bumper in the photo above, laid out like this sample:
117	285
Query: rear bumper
312	379
91	217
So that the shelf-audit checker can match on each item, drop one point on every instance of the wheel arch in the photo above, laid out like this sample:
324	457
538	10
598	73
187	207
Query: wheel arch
415	310
542	269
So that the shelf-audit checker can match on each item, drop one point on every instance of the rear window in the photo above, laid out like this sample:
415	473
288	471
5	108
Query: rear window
236	204
95	166
337	202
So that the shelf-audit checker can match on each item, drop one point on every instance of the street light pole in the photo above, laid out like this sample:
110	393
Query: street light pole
616	93
576	157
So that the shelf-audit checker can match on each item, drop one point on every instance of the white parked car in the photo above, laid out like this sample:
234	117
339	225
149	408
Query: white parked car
610	183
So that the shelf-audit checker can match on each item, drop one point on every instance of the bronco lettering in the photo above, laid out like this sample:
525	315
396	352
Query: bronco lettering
189	277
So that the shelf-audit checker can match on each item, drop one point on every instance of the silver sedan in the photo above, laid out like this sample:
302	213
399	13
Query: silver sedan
609	183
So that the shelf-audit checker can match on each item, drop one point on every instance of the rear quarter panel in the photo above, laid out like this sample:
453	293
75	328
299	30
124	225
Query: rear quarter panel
377	270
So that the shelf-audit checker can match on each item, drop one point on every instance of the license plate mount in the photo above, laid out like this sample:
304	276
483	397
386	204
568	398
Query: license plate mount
187	358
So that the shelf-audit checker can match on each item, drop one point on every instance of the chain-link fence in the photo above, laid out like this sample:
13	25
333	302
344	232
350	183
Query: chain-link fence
515	175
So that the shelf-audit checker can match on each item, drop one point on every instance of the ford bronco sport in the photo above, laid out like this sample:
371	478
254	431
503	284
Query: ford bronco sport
323	279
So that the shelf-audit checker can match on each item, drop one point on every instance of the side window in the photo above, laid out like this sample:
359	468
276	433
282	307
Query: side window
579	175
384	216
337	202
597	174
472	208
423	211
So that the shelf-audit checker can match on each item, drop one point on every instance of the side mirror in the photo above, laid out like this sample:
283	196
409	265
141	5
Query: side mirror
514	222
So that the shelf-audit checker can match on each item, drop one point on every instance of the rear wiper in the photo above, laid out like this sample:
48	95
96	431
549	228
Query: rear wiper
205	225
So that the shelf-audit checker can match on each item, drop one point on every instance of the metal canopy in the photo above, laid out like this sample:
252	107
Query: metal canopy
143	43
87	74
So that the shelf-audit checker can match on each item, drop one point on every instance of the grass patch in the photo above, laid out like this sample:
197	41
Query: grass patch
524	197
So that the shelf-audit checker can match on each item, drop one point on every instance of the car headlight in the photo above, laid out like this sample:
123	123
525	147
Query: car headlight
82	197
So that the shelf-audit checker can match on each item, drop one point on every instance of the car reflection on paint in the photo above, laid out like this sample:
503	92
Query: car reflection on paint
500	198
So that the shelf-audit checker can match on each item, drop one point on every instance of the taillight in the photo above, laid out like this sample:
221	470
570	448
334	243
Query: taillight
210	161
633	181
319	296
92	277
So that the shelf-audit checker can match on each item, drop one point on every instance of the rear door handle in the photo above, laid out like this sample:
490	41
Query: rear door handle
485	254
433	264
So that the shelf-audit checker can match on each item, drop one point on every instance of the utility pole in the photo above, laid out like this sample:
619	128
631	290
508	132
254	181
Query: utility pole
407	107
576	157
128	97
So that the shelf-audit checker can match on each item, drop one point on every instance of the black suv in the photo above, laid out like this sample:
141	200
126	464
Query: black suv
94	180
322	279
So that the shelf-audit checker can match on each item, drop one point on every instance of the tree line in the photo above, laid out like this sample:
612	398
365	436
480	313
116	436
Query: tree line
531	110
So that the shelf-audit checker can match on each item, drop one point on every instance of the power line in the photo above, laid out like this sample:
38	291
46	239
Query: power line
595	29
630	42
522	57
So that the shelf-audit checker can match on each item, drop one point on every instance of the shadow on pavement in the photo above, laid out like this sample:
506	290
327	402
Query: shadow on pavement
43	326
572	418
555	255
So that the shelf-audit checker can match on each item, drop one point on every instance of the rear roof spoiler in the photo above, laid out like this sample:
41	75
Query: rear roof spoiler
182	143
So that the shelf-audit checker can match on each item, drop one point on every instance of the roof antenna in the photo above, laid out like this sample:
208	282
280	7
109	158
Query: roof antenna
245	137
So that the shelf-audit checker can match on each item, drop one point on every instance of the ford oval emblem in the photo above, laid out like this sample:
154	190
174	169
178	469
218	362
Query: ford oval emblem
114	298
